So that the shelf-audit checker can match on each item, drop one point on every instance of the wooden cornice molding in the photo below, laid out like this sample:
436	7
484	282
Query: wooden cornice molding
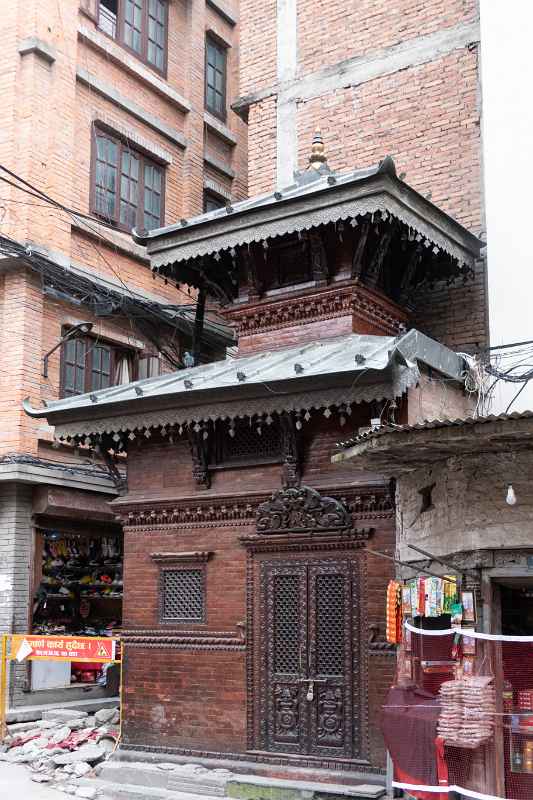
370	305
175	558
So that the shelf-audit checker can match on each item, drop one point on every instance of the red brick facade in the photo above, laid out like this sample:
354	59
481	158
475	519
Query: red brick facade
61	77
190	691
379	80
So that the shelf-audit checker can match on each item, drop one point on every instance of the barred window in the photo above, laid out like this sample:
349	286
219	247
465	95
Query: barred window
183	595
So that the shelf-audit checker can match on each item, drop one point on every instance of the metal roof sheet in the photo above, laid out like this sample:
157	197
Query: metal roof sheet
329	372
315	199
426	425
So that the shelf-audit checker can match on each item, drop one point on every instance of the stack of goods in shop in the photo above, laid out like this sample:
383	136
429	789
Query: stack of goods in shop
468	708
419	597
429	597
81	586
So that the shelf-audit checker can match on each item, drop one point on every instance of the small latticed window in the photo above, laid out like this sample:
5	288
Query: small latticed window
250	443
183	595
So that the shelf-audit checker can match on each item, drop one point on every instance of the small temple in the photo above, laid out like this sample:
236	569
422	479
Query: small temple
250	597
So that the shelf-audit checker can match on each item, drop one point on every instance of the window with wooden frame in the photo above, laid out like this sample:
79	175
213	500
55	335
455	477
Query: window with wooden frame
216	56
149	367
128	187
212	201
139	25
88	364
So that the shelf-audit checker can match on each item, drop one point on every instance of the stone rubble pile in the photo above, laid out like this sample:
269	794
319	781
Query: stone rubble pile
63	747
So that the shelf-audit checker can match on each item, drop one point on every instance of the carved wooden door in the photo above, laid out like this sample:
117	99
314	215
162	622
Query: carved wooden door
307	703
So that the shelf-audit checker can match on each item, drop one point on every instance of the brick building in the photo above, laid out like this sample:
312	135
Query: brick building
253	610
115	113
379	78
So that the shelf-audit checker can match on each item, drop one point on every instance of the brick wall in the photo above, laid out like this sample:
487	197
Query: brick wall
172	691
379	80
48	118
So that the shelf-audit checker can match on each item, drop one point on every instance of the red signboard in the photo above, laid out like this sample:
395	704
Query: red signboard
62	648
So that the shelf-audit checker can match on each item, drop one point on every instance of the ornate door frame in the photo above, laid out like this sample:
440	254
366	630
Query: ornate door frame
298	526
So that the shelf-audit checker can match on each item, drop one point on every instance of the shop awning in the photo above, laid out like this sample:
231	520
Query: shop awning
393	450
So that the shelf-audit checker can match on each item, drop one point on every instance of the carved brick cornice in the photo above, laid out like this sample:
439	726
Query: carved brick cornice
335	301
183	643
296	543
363	503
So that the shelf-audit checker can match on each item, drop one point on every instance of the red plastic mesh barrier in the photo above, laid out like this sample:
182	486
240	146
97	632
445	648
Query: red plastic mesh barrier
460	718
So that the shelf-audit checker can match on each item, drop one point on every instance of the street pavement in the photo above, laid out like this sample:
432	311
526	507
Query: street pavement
16	784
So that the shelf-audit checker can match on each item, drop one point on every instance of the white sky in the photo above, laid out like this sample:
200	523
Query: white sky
507	97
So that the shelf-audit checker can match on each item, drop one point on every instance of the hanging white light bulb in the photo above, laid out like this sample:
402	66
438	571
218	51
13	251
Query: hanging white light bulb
511	496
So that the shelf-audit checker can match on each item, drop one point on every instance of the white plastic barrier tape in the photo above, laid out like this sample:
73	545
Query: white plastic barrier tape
415	787
472	634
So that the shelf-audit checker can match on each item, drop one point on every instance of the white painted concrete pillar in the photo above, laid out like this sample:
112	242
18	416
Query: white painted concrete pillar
287	66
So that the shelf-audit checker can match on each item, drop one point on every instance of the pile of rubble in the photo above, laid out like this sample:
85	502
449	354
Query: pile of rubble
63	747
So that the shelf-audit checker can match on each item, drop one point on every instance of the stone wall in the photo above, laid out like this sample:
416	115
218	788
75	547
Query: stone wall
469	511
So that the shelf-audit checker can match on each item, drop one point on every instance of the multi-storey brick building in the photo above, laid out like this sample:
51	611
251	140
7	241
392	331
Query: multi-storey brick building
114	113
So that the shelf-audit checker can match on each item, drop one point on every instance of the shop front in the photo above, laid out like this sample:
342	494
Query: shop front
461	608
76	589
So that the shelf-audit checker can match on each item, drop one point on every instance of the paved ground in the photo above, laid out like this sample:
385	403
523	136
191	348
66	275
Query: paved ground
16	784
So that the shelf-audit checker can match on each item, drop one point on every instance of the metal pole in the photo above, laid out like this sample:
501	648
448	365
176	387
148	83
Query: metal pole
410	566
3	689
121	690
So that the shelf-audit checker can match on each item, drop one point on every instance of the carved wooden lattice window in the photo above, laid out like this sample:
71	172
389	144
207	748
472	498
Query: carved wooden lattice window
182	595
251	444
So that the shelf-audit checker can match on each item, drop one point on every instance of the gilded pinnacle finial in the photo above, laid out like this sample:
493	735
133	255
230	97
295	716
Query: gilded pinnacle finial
318	156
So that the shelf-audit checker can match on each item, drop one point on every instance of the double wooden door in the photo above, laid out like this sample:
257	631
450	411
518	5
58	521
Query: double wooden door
307	645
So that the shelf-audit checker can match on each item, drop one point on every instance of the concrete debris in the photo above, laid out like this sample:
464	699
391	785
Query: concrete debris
104	715
60	735
63	714
88	752
63	748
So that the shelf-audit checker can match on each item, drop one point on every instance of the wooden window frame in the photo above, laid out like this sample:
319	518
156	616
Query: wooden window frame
115	351
144	160
210	195
119	37
223	48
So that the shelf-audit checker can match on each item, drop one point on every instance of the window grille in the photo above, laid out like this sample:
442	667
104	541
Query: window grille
182	595
251	443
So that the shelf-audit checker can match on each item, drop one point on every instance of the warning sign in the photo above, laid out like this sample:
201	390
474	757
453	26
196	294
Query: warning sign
62	648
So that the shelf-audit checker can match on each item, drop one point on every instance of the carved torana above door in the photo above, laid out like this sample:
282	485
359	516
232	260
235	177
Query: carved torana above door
302	510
